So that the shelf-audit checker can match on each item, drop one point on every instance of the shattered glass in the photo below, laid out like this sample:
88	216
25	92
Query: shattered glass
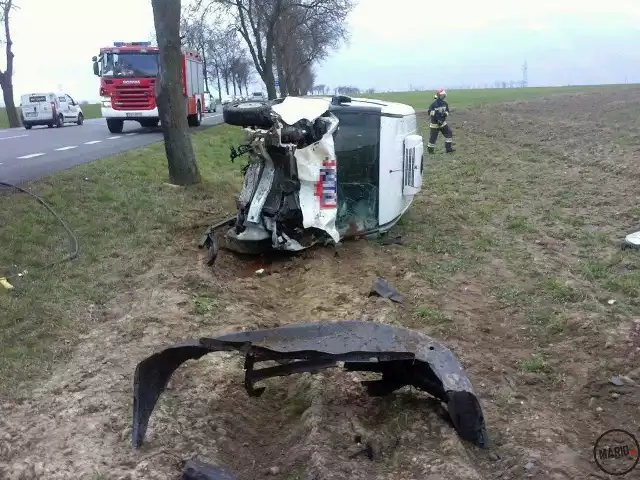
357	148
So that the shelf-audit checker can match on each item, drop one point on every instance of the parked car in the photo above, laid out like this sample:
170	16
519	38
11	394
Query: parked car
49	109
211	103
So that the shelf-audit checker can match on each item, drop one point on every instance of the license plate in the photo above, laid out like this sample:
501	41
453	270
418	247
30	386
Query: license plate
133	114
30	114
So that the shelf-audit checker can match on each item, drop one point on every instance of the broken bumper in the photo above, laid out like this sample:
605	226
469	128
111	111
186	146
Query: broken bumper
402	357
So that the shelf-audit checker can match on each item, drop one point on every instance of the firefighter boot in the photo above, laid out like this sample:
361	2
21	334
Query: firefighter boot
431	149
448	147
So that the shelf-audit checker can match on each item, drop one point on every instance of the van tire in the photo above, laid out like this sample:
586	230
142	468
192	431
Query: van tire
248	114
80	119
60	121
114	125
27	126
49	125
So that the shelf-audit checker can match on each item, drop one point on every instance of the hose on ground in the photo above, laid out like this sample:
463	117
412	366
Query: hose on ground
75	247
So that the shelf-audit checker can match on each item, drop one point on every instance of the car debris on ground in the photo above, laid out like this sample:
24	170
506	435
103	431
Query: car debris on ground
401	356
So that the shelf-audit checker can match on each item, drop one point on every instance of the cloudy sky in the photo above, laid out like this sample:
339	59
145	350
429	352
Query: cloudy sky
394	44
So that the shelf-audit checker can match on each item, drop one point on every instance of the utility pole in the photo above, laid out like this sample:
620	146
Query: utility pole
525	79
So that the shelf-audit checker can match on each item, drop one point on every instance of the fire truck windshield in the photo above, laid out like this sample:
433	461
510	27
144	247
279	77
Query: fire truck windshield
129	64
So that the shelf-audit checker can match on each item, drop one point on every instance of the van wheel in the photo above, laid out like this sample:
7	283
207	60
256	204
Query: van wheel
27	126
60	121
248	114
80	119
49	125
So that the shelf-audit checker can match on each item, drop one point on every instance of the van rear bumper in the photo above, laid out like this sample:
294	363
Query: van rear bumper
129	114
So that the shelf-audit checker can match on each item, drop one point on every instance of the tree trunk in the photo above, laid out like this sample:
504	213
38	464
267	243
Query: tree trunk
6	77
226	83
206	75
172	108
270	81
233	82
9	103
281	77
219	86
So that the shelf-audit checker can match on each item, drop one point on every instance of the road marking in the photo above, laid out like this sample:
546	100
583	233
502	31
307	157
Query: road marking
66	148
129	134
15	136
92	142
113	138
31	155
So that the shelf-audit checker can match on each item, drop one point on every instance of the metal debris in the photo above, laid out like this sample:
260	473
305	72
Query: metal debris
197	470
382	288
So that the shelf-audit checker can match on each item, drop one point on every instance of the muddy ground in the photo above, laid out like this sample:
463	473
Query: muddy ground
510	256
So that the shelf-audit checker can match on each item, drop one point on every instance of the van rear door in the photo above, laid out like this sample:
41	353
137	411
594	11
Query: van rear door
36	106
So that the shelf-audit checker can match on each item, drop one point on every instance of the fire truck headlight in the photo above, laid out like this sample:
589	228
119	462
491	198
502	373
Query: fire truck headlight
106	102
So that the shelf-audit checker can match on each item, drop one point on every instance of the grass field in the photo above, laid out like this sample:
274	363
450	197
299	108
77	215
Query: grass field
510	256
91	110
478	98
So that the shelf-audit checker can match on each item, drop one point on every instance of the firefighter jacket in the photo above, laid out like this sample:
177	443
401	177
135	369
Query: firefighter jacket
438	110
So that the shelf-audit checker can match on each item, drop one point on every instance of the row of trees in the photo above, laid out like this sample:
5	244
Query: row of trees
283	39
227	63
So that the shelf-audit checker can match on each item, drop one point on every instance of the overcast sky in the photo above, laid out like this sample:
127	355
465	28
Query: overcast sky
395	44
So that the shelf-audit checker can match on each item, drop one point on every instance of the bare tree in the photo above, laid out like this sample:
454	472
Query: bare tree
259	23
305	34
6	76
183	168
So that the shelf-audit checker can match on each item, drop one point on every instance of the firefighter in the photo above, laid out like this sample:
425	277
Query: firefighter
439	111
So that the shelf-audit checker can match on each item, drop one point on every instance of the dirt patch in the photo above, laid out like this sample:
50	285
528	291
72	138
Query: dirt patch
510	257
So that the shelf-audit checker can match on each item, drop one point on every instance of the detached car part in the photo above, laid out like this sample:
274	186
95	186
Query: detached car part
402	357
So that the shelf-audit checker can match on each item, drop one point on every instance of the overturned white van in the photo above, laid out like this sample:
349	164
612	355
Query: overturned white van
320	169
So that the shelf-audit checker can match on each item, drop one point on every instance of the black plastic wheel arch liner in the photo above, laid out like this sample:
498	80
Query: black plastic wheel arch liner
402	357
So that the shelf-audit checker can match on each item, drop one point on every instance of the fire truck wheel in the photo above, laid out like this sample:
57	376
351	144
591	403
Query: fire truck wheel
114	125
248	114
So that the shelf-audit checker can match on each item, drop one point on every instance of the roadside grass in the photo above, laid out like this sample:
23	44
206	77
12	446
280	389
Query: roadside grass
91	110
125	216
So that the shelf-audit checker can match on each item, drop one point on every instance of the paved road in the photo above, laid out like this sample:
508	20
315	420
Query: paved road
30	154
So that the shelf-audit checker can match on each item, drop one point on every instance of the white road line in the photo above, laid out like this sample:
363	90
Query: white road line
113	138
15	136
32	155
92	142
66	148
129	134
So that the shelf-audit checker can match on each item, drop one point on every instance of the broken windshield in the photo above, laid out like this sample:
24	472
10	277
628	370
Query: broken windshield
130	64
357	145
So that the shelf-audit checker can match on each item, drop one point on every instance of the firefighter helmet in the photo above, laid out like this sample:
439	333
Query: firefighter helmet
441	92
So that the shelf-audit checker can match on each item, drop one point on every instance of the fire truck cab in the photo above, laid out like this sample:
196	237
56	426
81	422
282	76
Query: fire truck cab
128	73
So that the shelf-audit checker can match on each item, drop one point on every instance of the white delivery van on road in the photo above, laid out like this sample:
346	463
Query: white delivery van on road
49	109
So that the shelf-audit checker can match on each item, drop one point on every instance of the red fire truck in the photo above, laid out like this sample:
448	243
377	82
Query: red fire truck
128	73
